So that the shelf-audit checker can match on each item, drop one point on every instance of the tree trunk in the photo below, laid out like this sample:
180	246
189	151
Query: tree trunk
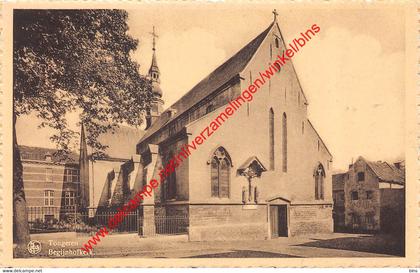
20	216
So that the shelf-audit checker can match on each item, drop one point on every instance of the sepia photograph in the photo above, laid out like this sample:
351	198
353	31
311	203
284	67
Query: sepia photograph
208	131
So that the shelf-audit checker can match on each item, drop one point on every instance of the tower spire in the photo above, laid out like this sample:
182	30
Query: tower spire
156	107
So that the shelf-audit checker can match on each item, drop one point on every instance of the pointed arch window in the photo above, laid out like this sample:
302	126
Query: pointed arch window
169	191
271	137
319	176
284	142
220	164
277	42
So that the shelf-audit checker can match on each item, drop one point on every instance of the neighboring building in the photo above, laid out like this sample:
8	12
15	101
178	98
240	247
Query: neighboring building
338	198
51	185
374	196
269	139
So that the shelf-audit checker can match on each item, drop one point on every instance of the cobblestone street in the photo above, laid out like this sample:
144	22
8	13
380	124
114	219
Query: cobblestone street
320	245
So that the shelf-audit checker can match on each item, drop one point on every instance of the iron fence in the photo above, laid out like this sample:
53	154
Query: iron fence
163	225
50	219
53	219
130	222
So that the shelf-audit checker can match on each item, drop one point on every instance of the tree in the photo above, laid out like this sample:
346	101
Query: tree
73	60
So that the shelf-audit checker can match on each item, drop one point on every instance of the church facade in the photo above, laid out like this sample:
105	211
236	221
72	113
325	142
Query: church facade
265	173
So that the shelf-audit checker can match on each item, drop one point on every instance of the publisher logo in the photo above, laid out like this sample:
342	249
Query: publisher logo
34	247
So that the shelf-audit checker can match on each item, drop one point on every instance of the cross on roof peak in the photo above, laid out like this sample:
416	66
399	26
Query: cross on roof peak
154	35
275	14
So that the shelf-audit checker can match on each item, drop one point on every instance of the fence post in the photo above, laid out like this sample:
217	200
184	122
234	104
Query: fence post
148	223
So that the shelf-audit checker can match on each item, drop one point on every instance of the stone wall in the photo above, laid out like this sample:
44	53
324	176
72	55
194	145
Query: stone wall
227	222
177	210
308	219
392	210
363	207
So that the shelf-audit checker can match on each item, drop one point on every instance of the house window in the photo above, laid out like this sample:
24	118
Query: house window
298	98
360	176
341	196
284	142
271	138
69	198
48	175
220	173
71	175
355	218
354	195
303	127
319	176
370	218
49	198
369	195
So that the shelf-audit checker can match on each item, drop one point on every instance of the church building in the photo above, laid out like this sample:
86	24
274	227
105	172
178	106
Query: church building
265	173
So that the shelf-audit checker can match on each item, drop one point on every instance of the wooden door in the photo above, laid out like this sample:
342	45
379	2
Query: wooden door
274	221
282	216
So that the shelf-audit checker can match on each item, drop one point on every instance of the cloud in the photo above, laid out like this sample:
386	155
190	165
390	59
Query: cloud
356	95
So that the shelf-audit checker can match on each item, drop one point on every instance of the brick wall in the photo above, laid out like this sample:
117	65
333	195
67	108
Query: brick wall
227	222
36	182
307	219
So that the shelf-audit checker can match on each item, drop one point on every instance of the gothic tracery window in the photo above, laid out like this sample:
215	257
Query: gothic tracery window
220	173
319	176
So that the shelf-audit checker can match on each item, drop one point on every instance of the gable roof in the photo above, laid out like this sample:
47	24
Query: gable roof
121	142
31	153
319	137
220	76
248	162
386	172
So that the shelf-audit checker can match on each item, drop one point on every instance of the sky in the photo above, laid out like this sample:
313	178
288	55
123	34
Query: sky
353	75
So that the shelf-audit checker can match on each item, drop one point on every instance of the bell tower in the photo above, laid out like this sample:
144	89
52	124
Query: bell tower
156	106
